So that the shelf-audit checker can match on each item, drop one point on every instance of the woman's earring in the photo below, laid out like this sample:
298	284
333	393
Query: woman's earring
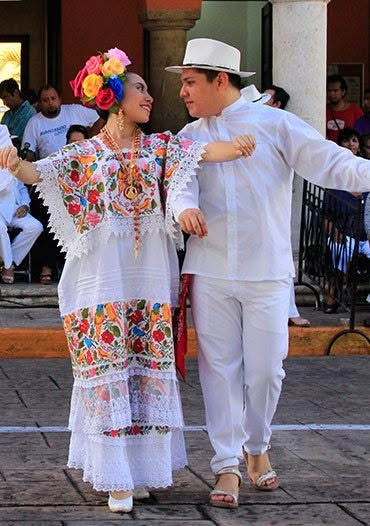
121	120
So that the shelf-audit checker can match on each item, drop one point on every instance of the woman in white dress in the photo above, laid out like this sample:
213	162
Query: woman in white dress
107	201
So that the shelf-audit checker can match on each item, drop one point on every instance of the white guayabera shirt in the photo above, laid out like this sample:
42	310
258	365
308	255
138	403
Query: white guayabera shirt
247	202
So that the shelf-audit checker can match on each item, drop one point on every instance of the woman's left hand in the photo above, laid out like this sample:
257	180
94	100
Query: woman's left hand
245	144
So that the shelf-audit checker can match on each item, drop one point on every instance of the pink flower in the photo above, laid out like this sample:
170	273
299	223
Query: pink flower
76	84
93	65
92	218
105	99
120	55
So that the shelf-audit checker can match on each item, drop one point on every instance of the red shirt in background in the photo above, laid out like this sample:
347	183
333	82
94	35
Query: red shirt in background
342	119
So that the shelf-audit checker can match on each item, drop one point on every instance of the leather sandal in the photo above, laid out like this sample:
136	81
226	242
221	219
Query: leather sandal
260	483
7	275
223	503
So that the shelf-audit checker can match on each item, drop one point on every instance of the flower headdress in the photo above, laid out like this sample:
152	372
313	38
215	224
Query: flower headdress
101	82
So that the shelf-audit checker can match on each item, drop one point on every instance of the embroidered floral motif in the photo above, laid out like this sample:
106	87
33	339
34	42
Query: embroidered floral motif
111	337
138	429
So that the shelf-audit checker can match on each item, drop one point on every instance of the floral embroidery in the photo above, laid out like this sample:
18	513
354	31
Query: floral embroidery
92	180
113	336
138	429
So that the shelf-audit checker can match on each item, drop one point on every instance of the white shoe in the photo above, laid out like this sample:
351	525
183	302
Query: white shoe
117	505
141	493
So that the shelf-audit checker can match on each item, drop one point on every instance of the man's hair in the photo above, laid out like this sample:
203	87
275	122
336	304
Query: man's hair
280	95
347	133
365	137
77	128
211	74
45	88
10	86
333	79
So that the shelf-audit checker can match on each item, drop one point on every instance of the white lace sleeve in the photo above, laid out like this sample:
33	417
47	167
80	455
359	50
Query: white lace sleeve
60	222
182	162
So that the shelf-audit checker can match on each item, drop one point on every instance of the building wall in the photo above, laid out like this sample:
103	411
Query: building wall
89	27
349	33
237	23
28	18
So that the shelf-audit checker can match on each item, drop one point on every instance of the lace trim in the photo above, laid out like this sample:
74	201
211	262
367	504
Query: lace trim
116	405
145	461
63	228
122	376
179	181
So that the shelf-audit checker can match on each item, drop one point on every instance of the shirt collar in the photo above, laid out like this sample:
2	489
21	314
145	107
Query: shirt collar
235	106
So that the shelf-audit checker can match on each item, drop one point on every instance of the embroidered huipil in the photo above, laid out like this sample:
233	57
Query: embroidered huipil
126	418
247	202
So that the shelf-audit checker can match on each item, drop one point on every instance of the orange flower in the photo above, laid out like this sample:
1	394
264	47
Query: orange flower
91	85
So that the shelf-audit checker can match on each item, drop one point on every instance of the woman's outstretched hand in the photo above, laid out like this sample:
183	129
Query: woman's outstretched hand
9	157
245	144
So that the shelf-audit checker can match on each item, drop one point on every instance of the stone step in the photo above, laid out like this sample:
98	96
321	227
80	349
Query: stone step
51	342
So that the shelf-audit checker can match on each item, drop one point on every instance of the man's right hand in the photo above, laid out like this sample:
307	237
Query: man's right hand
192	221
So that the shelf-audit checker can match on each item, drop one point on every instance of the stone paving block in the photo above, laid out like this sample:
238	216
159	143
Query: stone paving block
289	515
30	523
169	512
361	511
85	489
159	522
62	513
187	488
27	491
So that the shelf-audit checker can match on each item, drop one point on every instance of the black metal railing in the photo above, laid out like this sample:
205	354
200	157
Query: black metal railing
331	228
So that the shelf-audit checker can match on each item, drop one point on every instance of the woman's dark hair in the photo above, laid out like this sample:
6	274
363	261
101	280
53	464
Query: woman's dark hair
77	128
211	74
347	133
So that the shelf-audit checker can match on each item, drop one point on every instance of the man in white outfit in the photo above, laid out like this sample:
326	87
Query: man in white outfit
14	213
238	215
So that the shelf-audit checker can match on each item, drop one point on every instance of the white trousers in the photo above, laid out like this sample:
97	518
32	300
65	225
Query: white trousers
22	243
293	311
242	338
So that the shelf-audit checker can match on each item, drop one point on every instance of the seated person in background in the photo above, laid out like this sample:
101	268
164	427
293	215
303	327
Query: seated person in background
365	151
45	133
76	132
341	207
14	213
20	110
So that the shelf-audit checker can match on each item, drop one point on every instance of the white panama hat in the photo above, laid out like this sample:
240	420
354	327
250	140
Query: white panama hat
251	94
206	53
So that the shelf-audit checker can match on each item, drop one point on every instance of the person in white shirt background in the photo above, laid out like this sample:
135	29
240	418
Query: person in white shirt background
45	133
14	212
239	253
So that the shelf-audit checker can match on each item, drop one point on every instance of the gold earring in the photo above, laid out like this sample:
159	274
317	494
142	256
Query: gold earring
121	120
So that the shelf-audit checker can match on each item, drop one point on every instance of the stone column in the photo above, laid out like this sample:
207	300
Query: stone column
167	42
299	66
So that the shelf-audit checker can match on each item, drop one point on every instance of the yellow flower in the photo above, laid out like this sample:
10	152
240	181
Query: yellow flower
113	66
91	85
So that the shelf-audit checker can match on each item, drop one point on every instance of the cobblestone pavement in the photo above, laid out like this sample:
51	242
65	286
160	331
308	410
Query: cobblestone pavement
322	461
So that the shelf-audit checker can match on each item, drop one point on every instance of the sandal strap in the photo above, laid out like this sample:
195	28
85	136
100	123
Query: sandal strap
224	493
226	470
263	478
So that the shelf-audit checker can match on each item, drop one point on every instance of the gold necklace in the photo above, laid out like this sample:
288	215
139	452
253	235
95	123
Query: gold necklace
131	191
